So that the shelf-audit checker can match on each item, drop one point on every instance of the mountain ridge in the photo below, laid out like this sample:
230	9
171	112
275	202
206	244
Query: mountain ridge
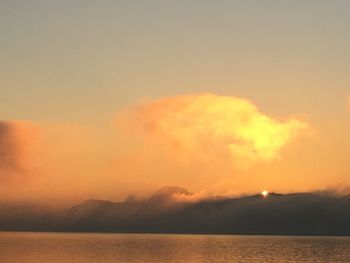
162	212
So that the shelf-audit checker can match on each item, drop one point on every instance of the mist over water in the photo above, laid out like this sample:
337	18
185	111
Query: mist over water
105	248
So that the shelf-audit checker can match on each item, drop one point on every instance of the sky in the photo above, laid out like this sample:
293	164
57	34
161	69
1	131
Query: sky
102	99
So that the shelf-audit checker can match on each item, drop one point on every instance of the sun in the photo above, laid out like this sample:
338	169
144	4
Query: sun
264	193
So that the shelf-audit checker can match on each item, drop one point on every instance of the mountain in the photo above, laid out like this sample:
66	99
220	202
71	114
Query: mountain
276	214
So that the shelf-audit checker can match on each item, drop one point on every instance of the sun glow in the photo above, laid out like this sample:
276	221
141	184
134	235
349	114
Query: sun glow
265	193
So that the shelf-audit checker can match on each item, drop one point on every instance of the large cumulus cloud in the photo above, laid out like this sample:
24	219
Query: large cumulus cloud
210	127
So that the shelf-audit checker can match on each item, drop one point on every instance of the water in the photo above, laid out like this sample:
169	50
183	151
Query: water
105	248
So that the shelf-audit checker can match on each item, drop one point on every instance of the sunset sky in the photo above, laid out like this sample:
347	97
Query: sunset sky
103	100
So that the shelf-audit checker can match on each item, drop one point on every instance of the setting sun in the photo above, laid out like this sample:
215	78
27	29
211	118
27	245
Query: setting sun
264	193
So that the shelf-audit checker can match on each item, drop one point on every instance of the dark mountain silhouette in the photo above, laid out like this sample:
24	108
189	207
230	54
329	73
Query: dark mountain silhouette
277	214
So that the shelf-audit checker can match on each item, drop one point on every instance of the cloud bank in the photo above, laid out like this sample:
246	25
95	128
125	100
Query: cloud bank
211	128
192	140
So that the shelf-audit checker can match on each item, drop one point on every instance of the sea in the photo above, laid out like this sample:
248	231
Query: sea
19	247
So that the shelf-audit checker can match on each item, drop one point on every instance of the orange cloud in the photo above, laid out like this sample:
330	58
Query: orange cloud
15	144
210	128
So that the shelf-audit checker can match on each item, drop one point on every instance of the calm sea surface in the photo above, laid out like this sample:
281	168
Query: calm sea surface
78	248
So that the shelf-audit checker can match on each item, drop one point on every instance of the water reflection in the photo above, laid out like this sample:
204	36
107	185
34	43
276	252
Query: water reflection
79	248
